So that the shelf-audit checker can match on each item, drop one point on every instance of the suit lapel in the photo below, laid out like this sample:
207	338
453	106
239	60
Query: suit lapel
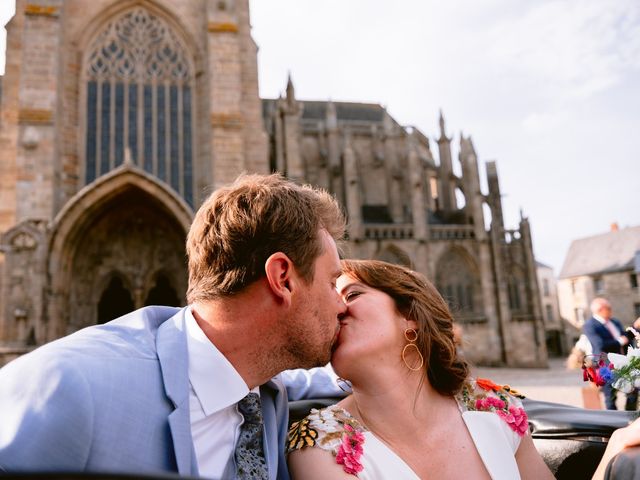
171	345
605	331
271	443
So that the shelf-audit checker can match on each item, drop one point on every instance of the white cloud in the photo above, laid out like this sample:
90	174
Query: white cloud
537	122
576	48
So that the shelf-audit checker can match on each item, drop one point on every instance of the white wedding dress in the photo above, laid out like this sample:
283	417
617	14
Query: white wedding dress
495	441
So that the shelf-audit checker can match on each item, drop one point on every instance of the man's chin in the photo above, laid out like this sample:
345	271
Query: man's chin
319	360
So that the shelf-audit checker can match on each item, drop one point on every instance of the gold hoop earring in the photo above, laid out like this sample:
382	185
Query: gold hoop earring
411	336
341	381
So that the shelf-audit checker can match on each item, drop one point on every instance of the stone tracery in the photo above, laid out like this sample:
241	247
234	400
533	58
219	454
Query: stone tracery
139	83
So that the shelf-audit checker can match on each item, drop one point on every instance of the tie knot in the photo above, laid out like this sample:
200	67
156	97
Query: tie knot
249	407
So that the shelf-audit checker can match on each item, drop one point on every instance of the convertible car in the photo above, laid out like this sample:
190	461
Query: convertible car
571	441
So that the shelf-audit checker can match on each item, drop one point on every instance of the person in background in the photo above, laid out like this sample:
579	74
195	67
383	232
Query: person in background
580	350
607	335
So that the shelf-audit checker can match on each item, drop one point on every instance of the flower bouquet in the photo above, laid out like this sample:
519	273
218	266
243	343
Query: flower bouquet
621	371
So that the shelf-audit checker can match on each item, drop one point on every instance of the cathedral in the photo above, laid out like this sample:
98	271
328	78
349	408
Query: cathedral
118	117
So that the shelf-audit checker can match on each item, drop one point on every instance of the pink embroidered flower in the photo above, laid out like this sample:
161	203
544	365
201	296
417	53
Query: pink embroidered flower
481	404
488	403
516	419
350	451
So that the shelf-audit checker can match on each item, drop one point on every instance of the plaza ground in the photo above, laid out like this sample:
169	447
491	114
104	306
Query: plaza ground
554	384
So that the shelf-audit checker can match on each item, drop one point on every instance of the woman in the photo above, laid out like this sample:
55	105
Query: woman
414	412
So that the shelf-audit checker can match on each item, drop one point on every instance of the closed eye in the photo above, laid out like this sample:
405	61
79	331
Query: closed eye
352	294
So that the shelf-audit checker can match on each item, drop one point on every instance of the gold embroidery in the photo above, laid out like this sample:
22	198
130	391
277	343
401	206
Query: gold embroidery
301	435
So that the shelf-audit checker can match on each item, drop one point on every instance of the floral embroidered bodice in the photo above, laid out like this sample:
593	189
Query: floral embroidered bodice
485	407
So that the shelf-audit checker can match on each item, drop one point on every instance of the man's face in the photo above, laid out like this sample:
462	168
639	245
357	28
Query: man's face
605	311
314	325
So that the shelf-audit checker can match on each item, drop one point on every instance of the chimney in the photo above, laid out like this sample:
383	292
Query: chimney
614	227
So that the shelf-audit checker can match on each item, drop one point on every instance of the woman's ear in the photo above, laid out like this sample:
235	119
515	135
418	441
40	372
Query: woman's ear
279	271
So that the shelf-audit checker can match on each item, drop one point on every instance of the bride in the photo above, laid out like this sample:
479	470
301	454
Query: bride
414	412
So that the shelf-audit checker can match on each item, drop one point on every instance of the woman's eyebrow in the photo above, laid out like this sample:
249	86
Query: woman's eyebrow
351	285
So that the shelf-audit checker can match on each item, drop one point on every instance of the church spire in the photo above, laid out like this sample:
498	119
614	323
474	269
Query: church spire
291	91
443	135
447	179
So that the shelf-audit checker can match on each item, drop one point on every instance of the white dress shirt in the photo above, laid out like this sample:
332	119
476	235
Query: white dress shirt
215	389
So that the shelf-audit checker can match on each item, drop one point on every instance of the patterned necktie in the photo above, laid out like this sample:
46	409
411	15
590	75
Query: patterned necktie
249	454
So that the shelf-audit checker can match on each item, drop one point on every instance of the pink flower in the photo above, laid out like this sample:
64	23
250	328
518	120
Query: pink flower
489	402
495	402
516	419
350	450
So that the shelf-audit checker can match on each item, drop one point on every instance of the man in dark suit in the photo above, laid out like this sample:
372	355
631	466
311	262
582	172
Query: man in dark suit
607	335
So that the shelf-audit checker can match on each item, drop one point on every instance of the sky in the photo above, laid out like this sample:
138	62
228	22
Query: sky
549	89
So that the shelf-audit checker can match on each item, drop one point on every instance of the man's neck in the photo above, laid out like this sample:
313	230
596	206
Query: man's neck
239	334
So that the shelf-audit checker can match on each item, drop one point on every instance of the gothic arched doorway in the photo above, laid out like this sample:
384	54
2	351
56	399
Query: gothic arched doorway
126	224
133	236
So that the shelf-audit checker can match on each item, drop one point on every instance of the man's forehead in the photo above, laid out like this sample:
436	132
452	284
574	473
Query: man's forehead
329	245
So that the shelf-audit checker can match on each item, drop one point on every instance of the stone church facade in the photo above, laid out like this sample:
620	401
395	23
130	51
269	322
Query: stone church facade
119	117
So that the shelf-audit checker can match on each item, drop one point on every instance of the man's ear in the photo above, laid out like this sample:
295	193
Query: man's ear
280	272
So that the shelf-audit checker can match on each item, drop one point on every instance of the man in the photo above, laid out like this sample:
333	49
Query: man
607	335
191	390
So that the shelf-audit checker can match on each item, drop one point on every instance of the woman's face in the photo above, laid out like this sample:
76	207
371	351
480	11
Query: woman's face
371	330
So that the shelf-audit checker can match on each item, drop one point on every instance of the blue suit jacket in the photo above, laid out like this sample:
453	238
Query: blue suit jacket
115	398
600	337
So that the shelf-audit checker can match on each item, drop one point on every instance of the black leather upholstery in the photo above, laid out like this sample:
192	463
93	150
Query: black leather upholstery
555	420
572	440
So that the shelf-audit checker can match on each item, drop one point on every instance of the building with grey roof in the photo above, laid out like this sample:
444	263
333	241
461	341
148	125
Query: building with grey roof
605	265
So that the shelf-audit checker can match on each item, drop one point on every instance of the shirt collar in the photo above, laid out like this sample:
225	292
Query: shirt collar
213	378
599	318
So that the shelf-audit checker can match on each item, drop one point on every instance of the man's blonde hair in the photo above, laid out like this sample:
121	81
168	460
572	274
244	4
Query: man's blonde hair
239	226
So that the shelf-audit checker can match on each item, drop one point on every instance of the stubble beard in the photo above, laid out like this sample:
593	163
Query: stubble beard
304	350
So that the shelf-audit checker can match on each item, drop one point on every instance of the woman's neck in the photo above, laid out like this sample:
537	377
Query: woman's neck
390	409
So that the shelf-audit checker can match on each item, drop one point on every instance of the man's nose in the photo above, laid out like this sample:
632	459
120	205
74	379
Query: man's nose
342	307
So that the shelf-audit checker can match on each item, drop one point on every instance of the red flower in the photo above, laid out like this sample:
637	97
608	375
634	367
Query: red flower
350	451
593	375
486	384
516	419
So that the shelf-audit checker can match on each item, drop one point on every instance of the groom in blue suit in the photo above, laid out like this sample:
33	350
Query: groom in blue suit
165	389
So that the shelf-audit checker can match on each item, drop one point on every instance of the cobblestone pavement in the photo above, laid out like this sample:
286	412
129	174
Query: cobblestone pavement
553	384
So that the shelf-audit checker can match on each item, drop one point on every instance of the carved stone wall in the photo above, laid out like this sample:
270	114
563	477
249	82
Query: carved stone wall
24	281
405	208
